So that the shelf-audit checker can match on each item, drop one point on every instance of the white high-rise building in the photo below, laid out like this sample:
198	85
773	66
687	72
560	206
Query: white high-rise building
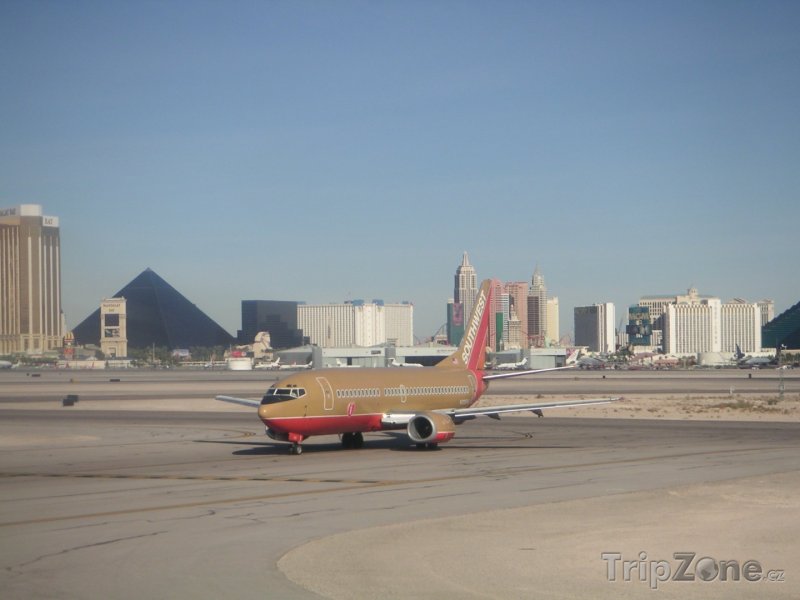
357	323
399	324
767	310
552	332
741	325
327	325
594	327
693	324
30	281
369	320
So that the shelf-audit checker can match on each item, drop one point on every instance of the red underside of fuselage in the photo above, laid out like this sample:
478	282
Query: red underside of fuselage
328	425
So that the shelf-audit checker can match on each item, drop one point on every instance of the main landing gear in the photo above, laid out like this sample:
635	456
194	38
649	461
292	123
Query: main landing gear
428	446
352	440
296	449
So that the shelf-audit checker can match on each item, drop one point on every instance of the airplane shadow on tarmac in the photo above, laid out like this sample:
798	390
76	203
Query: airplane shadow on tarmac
394	442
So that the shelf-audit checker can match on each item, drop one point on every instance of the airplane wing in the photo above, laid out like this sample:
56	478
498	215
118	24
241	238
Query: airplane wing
242	401
521	373
464	414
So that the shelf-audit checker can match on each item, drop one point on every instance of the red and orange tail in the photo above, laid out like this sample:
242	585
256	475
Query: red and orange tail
471	353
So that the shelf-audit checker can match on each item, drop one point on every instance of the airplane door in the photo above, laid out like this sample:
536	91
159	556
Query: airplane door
403	394
327	392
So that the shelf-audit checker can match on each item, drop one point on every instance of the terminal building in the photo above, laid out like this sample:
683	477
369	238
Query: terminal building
31	320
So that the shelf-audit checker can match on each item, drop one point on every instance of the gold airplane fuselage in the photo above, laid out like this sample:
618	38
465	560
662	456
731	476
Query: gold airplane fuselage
331	401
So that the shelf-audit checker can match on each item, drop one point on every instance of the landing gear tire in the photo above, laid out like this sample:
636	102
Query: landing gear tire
428	446
296	449
358	440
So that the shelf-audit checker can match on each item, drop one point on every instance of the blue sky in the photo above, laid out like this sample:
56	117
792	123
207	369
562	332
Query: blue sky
322	151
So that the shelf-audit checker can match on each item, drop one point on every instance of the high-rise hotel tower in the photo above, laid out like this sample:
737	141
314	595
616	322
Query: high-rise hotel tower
30	280
466	286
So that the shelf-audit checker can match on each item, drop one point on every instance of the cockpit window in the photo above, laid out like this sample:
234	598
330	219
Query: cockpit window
281	394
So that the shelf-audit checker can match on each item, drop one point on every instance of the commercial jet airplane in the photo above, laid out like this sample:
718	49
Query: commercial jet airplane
4	364
511	365
427	402
275	364
395	363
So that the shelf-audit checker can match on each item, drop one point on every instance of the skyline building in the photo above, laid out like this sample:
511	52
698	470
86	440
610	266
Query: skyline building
114	334
552	331
767	310
518	299
537	310
498	316
466	286
693	324
594	327
30	281
276	317
157	314
740	326
357	323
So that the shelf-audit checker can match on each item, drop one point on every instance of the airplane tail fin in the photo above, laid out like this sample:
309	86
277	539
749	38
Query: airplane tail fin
471	353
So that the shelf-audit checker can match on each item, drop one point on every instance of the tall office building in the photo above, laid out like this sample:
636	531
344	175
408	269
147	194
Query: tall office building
537	310
30	280
594	327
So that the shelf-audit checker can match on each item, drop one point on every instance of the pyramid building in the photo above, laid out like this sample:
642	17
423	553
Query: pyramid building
783	330
157	314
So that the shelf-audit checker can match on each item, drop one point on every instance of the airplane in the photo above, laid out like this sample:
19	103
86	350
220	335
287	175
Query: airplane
512	365
341	365
427	402
275	364
295	367
4	364
744	361
394	363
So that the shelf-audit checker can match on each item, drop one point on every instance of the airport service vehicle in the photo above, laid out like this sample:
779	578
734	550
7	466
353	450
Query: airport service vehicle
428	402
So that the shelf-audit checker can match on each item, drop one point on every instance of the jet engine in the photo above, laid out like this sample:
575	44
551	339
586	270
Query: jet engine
431	428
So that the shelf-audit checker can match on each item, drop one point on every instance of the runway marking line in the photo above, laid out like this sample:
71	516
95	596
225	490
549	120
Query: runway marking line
349	484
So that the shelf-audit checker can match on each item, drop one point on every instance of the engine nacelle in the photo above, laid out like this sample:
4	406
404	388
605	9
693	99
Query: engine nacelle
431	428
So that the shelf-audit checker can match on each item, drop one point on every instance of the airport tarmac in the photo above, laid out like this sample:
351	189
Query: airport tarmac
147	488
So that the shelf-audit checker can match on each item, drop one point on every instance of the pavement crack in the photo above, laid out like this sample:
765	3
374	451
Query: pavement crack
83	547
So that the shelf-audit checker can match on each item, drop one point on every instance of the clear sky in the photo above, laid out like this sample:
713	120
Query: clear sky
323	151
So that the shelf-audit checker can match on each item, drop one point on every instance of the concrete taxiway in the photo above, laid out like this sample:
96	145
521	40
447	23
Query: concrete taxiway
100	503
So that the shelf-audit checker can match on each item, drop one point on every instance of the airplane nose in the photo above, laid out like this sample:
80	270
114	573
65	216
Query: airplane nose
264	412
